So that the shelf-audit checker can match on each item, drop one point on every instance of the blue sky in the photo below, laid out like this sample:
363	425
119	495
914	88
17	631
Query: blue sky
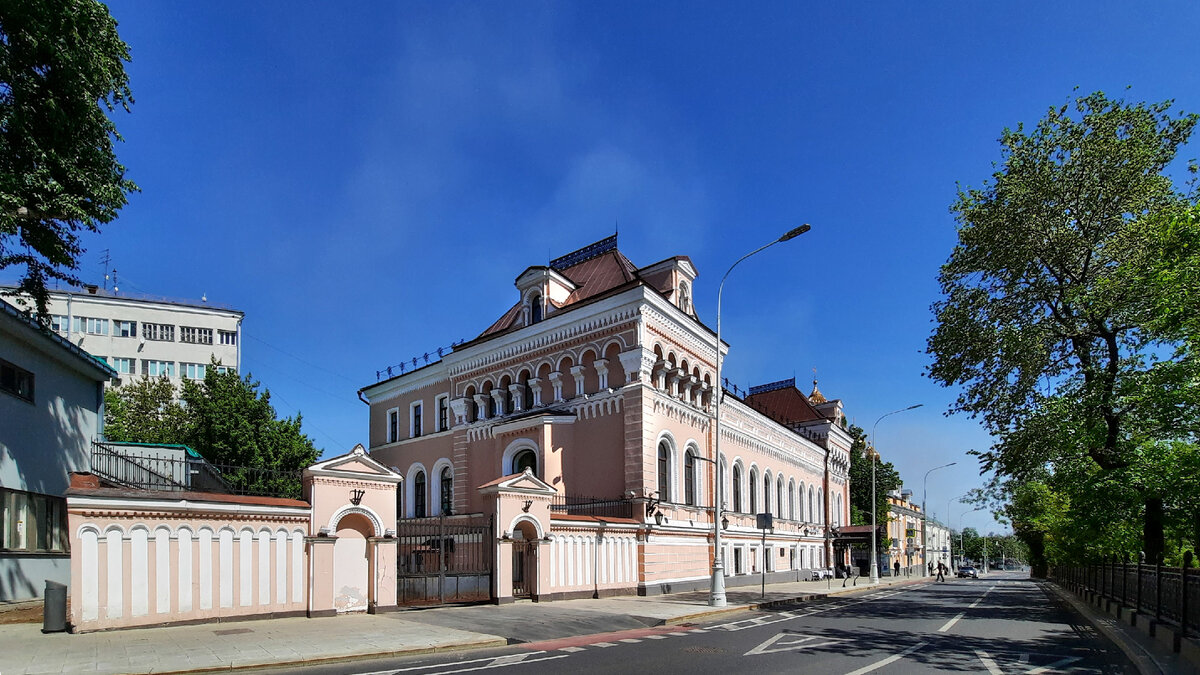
366	181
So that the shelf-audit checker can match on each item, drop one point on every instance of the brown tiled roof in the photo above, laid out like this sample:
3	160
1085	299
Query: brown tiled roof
591	277
788	406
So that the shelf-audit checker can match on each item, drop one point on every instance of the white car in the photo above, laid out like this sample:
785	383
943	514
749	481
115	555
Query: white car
819	574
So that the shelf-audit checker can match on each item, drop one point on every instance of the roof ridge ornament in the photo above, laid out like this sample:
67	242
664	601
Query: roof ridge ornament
588	252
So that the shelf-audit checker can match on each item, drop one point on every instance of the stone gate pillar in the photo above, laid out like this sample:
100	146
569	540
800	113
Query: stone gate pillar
521	503
352	534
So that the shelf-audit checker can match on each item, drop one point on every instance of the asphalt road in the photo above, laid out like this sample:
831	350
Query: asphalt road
1000	624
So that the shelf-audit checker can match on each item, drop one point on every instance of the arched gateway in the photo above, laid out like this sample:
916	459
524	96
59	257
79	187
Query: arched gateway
353	554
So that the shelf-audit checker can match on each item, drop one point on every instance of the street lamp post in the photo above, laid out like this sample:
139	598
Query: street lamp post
716	596
950	526
961	552
925	518
874	497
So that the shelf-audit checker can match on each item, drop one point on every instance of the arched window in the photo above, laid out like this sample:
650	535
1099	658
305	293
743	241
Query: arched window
737	488
664	471
685	297
689	478
766	493
447	487
812	505
535	308
525	459
753	491
792	500
419	495
780	502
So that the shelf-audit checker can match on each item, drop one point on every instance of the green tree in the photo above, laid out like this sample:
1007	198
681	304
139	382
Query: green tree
145	411
231	422
61	73
1051	346
225	418
886	480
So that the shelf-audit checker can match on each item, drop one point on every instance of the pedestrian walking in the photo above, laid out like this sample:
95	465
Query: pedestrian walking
941	572
896	566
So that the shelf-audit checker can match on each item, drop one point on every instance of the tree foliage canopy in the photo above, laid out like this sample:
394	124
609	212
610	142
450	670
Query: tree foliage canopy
224	417
886	480
1062	322
61	73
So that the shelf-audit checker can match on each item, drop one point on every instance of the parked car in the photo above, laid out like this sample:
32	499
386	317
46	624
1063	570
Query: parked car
968	573
822	573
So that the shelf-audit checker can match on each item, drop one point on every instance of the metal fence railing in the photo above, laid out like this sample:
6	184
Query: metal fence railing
1169	594
604	507
147	470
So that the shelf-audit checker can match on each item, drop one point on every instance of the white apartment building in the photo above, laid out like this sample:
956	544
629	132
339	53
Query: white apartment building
144	336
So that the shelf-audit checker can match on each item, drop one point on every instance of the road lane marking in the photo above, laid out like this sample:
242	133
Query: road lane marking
951	622
572	650
501	664
891	659
973	605
604	644
439	665
988	663
629	641
784	642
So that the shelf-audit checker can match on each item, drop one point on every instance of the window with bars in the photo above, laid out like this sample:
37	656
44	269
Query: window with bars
32	522
197	336
159	332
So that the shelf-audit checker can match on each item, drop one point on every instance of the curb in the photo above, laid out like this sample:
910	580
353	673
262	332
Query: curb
1143	660
492	641
770	604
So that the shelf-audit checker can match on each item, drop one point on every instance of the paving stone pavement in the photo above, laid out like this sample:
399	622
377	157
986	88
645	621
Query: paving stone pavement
245	644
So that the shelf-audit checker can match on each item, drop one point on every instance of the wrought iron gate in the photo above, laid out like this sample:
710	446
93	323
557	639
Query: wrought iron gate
524	566
446	559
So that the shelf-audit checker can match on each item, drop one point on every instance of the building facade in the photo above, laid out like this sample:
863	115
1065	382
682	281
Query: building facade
596	386
937	540
147	337
904	530
51	409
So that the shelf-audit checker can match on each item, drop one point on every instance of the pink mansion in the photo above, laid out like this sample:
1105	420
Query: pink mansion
596	387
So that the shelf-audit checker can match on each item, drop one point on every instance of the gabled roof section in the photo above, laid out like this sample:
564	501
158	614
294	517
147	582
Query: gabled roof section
524	482
355	463
594	269
784	403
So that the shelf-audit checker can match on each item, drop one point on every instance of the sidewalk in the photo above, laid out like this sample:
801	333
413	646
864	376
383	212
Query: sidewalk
273	642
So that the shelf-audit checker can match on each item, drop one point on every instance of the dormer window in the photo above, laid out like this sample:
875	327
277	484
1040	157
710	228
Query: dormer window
535	308
685	297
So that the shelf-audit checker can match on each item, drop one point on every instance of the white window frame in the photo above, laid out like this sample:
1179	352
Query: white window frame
227	337
130	365
416	429
198	370
391	434
146	367
438	402
120	325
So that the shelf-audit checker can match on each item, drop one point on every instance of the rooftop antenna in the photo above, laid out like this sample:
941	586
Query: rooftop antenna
114	276
105	259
